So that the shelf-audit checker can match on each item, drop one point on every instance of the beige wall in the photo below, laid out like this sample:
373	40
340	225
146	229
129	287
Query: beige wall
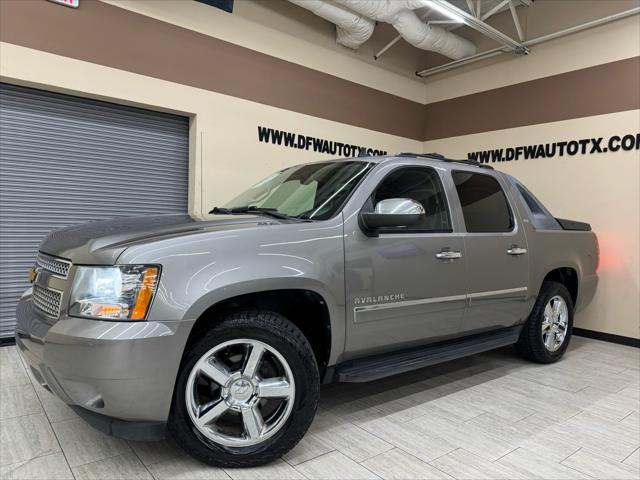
225	154
289	32
602	189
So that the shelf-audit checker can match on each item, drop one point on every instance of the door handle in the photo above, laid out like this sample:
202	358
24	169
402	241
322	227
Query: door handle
515	250
448	255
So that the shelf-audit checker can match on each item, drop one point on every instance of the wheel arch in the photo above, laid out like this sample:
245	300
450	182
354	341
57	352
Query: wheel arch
306	308
567	276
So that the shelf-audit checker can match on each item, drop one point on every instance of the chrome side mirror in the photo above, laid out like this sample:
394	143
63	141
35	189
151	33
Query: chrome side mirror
399	206
392	212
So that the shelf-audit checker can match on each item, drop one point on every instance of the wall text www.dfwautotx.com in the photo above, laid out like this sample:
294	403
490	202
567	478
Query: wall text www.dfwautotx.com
305	142
584	146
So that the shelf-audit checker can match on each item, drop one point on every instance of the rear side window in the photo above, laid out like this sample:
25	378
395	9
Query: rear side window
540	216
535	208
484	204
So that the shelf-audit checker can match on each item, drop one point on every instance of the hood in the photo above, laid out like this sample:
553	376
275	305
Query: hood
102	242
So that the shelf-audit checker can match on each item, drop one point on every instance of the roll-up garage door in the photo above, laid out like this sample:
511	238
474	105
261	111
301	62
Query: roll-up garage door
66	160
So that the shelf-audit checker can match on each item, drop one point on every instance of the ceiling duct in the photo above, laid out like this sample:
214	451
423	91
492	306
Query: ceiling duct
352	30
399	13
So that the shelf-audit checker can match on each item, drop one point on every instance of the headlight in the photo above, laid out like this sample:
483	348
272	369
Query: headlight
114	293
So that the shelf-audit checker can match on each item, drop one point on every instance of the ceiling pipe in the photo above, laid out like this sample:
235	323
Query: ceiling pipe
352	30
400	14
529	43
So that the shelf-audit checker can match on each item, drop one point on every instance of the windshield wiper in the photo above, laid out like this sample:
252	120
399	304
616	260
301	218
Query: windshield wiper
270	212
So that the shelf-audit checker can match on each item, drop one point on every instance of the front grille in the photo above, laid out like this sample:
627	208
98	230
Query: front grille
47	300
57	266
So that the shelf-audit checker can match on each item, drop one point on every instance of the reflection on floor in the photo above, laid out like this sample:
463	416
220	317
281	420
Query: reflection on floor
487	416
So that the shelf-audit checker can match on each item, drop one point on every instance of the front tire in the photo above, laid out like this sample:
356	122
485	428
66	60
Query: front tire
247	391
547	332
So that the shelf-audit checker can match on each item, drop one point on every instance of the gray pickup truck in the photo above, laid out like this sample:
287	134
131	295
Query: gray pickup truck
221	329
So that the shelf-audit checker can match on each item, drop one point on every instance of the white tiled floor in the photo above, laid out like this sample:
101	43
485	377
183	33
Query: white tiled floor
488	416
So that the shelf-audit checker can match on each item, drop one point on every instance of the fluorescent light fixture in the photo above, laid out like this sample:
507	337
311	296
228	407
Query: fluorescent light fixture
445	11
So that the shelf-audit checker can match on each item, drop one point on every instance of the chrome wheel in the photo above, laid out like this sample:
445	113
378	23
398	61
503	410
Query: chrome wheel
240	393
555	323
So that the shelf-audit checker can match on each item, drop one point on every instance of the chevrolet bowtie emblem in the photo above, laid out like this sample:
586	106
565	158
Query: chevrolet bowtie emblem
33	274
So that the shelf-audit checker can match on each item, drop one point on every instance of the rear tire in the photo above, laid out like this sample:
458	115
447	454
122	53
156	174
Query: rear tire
547	332
235	438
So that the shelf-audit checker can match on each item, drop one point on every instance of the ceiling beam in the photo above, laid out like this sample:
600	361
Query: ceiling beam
472	10
529	43
479	25
516	20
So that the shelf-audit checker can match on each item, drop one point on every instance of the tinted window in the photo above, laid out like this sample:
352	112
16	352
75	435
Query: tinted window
422	185
484	204
529	200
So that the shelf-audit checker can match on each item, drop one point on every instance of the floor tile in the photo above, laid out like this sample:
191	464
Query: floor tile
541	398
464	465
334	466
633	459
81	443
497	427
614	440
613	405
550	446
186	468
555	379
355	442
397	464
620	357
492	415
24	438
465	436
309	447
632	420
12	370
600	467
410	438
56	409
452	409
278	470
631	392
18	400
51	467
154	452
120	467
485	399
530	465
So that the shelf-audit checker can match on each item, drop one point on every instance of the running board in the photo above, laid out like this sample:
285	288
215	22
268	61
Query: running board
379	366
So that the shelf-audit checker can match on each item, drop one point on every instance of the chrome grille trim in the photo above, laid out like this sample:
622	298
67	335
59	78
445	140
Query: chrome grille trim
57	266
47	300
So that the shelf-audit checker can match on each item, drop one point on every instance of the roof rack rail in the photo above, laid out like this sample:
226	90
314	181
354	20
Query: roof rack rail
439	156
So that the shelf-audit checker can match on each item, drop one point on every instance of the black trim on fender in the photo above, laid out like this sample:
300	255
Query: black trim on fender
7	341
127	430
573	225
607	337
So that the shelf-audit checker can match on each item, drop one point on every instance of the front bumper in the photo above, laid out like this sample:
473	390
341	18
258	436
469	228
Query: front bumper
117	375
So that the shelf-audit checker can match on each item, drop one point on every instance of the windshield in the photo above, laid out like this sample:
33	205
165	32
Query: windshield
315	191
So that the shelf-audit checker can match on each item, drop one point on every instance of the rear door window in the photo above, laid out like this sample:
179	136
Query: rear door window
484	204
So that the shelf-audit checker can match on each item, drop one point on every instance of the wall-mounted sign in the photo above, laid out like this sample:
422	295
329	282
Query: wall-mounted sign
315	144
67	3
584	146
